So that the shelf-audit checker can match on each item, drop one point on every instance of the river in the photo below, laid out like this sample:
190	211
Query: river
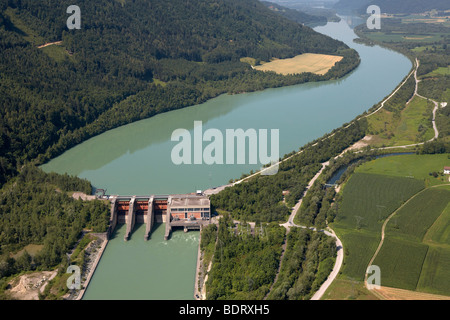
136	159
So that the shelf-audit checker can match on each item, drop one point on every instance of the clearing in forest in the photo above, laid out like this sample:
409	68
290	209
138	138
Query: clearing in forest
307	62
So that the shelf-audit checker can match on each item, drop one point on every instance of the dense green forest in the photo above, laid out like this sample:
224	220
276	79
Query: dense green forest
130	61
244	265
36	208
307	262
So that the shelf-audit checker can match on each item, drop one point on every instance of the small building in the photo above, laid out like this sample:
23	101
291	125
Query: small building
190	208
446	170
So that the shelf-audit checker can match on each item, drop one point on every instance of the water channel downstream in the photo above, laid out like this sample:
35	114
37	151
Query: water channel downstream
136	160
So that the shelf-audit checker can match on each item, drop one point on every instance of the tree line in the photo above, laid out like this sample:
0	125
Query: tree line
194	47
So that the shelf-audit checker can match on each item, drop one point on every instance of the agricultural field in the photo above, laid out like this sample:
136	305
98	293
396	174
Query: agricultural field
359	247
414	166
307	62
416	217
441	71
368	199
415	254
435	277
411	125
57	52
404	37
439	232
400	263
411	261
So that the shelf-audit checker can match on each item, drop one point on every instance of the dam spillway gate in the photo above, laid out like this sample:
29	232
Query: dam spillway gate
187	211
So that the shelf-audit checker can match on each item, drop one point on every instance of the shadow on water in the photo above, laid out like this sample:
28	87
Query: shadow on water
120	229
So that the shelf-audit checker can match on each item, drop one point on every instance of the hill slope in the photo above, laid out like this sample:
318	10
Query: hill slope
296	15
411	6
394	6
144	57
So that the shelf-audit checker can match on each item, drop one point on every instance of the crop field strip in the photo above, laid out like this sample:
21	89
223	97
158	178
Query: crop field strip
368	200
414	255
407	259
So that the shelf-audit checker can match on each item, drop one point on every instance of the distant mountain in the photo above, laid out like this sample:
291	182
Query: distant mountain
394	6
355	5
411	6
296	15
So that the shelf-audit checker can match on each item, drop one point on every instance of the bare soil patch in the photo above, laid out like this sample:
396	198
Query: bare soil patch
28	286
388	293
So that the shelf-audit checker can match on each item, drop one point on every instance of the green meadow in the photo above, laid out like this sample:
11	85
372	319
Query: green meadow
368	199
411	125
413	166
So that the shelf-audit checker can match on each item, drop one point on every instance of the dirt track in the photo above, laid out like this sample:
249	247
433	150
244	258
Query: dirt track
387	293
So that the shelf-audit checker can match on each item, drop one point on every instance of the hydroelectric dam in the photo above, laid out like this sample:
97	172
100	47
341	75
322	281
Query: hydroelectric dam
187	211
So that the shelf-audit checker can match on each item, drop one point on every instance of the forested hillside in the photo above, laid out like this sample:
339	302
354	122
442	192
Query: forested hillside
350	4
142	57
296	15
36	208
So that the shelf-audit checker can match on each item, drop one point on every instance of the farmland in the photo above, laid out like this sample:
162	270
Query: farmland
434	277
416	166
368	199
307	62
400	263
439	232
407	259
415	254
414	219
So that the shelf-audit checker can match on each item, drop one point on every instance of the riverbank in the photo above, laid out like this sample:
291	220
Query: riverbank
93	265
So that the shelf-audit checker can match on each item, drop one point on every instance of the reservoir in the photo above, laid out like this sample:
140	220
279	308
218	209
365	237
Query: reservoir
136	160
